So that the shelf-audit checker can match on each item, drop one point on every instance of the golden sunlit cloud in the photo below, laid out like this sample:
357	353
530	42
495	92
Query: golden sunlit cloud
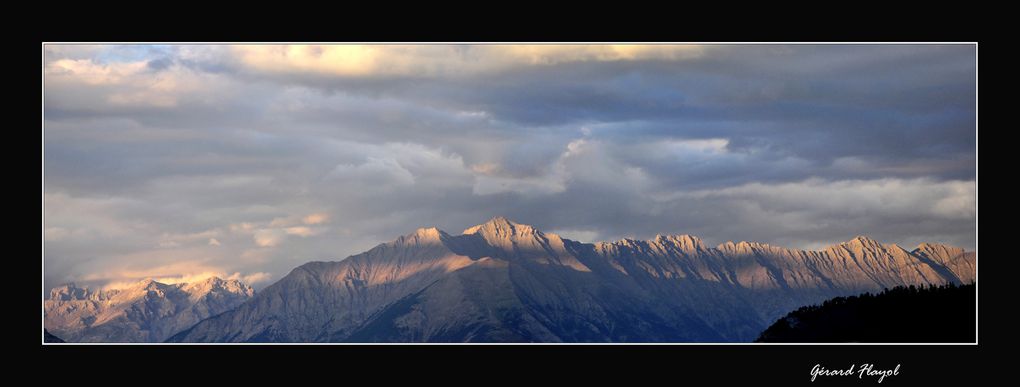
249	279
316	218
173	273
485	168
91	73
299	231
439	60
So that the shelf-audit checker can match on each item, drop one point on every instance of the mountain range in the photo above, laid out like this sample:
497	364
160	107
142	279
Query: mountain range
503	281
146	311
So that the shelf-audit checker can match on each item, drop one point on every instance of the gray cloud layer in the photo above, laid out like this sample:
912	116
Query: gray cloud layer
180	161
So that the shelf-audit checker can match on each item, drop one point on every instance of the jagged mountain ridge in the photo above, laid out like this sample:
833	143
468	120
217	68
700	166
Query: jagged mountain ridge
504	281
146	311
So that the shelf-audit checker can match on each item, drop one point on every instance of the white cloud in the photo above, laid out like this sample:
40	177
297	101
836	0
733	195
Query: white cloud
816	212
374	171
395	166
943	199
582	160
132	84
276	231
710	145
553	181
252	278
268	237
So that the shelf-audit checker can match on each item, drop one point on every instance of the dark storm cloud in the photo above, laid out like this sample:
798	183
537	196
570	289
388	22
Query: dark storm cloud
812	102
180	160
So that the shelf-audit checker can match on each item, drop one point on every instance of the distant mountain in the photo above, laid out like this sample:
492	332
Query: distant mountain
507	282
897	315
147	311
50	338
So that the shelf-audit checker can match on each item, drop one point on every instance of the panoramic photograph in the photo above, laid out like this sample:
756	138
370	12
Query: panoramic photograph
455	193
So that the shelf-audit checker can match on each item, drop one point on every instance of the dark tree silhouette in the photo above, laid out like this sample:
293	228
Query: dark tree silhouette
912	314
50	338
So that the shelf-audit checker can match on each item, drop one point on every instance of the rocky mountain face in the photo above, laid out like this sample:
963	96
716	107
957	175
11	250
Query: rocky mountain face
508	282
147	311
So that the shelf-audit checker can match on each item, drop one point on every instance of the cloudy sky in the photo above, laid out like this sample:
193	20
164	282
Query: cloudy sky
179	162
